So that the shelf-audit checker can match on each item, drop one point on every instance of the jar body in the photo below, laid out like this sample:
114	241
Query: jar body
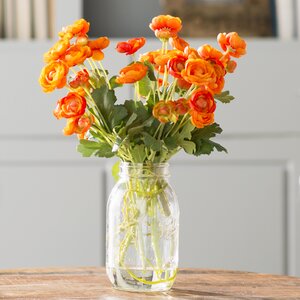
142	229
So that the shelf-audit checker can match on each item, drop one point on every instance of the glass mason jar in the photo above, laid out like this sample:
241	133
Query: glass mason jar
142	229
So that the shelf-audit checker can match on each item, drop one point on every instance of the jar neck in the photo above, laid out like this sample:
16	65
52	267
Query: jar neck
139	170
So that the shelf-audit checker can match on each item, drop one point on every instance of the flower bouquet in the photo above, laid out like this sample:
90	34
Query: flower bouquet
176	90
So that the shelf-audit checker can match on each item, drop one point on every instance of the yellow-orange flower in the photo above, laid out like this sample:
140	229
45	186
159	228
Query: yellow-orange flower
176	65
165	26
71	106
57	51
76	55
79	125
181	106
232	43
132	73
191	53
208	52
199	72
201	120
178	43
97	46
81	79
131	46
165	112
183	84
53	76
79	27
217	85
202	102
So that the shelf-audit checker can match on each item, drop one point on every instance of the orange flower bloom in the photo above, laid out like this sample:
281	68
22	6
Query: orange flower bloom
232	43
201	120
80	27
191	53
208	52
181	106
178	43
79	125
202	102
231	66
199	72
150	56
131	46
76	55
183	84
165	26
164	111
57	51
176	65
71	106
81	79
97	46
132	73
53	75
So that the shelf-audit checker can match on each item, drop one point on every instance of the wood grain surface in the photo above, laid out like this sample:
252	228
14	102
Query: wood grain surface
92	283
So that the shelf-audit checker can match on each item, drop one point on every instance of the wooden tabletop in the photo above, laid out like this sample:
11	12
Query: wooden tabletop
92	283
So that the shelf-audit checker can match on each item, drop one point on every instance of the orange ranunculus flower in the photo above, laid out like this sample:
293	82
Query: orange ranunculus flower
183	84
178	43
82	40
217	85
232	43
176	65
208	52
131	46
150	56
57	50
202	102
198	71
79	125
161	60
132	73
79	27
201	120
76	55
53	75
191	53
165	112
181	106
71	106
97	46
231	66
165	26
81	79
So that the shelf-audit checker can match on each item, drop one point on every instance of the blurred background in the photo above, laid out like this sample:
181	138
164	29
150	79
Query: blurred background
239	211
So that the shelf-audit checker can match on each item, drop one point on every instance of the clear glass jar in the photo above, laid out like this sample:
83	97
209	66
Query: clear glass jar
142	229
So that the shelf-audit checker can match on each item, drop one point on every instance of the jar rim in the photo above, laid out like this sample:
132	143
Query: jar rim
144	169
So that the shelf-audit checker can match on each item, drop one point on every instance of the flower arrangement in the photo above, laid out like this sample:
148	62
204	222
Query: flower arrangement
175	92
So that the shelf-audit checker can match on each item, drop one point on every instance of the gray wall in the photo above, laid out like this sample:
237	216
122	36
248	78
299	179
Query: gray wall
121	18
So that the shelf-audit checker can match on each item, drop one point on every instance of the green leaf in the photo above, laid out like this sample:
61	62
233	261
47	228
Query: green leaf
118	114
105	99
88	148
138	129
152	142
151	73
132	117
188	146
186	131
138	153
224	97
144	86
139	109
201	137
115	170
113	83
171	142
